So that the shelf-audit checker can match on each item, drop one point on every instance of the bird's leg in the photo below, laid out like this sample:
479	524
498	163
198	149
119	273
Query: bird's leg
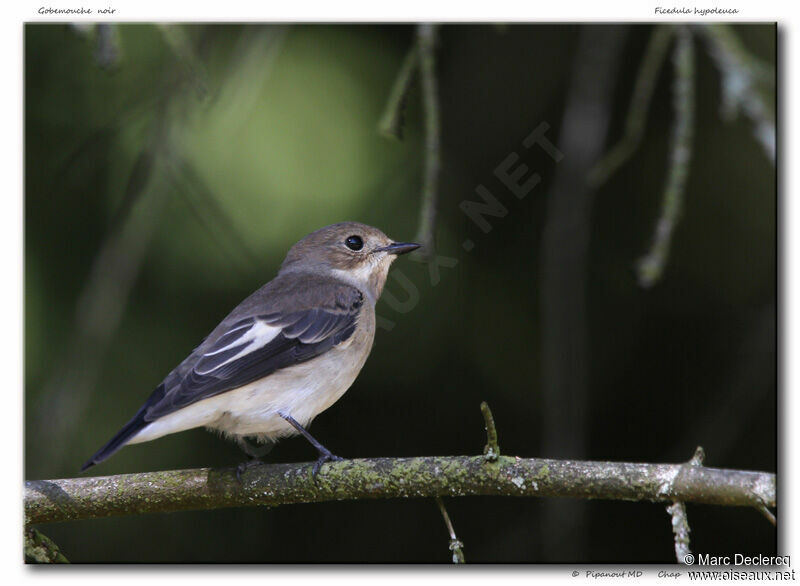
325	454
255	451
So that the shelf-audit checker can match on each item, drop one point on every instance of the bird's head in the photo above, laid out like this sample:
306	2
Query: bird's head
353	252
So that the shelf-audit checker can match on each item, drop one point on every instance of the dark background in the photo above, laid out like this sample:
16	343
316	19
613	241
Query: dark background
168	170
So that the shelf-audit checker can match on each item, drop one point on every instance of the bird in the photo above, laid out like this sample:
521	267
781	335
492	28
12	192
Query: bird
283	355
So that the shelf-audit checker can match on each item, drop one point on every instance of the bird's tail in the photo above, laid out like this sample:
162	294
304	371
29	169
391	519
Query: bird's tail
134	426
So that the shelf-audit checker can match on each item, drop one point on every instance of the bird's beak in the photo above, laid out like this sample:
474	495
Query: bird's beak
398	248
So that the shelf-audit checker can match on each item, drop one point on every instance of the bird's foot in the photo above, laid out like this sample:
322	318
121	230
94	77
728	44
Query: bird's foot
242	468
324	456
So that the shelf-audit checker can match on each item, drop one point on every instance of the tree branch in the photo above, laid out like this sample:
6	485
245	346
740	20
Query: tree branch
650	268
420	57
393	120
492	450
680	521
49	501
646	79
680	528
455	545
40	549
748	85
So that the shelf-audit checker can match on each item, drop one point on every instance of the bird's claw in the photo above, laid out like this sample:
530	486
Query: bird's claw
325	456
241	468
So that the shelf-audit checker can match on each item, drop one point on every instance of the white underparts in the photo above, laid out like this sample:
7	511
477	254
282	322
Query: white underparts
303	391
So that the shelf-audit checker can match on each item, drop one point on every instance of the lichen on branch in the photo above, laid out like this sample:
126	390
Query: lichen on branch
48	501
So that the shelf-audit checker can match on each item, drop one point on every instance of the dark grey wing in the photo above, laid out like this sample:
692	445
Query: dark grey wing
257	346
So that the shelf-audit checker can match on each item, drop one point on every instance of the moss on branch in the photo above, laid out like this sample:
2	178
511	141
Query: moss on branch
48	501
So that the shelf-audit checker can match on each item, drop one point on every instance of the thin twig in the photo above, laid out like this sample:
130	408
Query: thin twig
102	302
747	83
115	268
426	37
768	514
48	501
492	450
680	527
699	456
455	545
250	67
640	104
392	122
651	266
107	50
179	42
212	216
680	521
40	549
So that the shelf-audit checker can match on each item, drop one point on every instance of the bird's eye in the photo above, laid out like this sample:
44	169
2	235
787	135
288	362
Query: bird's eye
354	243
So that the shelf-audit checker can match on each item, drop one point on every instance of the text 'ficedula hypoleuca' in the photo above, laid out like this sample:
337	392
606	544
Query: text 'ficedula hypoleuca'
284	354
